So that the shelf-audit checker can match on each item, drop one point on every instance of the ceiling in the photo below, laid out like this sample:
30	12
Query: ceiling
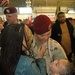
44	3
39	3
67	3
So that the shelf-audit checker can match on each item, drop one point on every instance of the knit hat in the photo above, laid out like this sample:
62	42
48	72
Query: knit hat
10	10
41	24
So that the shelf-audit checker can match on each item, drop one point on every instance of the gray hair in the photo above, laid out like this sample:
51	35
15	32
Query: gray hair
68	70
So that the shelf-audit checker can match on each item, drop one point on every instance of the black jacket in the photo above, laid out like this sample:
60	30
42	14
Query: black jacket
57	33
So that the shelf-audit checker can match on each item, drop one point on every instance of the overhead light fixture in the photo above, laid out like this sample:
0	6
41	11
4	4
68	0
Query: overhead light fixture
71	10
28	3
25	10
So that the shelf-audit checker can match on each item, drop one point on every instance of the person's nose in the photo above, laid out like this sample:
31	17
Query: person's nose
7	18
47	37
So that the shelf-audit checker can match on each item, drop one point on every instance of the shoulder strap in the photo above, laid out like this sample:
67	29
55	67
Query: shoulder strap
50	46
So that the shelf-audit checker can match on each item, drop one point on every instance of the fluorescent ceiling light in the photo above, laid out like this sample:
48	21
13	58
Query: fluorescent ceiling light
71	11
25	10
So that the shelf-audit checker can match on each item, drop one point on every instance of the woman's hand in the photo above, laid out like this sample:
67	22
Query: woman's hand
1	26
41	51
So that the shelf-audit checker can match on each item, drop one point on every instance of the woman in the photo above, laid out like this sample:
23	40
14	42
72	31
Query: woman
17	59
61	67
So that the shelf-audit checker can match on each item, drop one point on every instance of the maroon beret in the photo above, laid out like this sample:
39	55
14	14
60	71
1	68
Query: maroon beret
41	24
10	10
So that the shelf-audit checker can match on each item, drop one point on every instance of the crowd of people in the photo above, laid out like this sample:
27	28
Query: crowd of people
48	50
